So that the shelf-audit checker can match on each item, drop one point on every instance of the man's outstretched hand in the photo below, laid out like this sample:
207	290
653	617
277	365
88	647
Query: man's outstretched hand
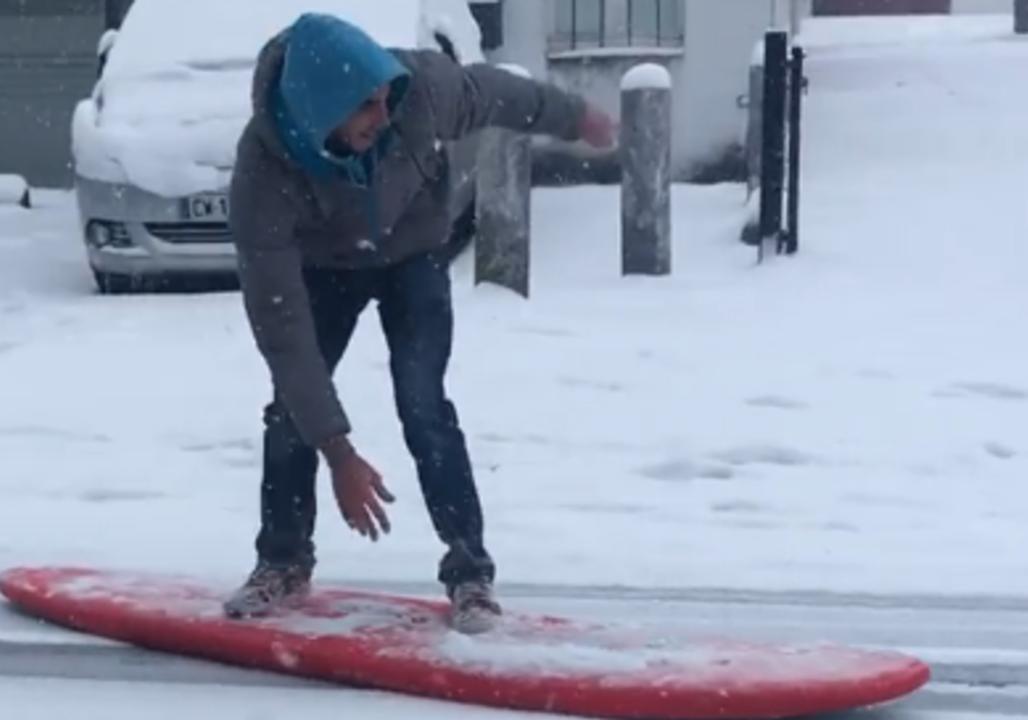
358	490
598	128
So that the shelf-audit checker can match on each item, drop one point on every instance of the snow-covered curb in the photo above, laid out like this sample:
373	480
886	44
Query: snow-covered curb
14	191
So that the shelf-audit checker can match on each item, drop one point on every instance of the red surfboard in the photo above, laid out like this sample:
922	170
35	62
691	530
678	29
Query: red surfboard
528	662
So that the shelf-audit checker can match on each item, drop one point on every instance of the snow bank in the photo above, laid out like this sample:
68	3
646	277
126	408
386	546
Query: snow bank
13	190
888	30
176	93
647	75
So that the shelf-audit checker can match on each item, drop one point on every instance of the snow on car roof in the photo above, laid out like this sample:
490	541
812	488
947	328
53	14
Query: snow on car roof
175	92
162	35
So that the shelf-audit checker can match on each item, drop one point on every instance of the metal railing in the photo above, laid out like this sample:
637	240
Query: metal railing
775	138
669	30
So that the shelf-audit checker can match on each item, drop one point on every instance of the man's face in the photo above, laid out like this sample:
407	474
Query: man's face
360	132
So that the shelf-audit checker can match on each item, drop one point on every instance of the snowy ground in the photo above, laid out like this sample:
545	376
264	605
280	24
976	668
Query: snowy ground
850	420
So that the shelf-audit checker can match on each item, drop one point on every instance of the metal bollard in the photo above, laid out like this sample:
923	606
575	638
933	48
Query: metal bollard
503	206
646	171
773	142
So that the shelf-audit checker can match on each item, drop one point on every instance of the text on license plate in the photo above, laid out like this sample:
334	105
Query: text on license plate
209	207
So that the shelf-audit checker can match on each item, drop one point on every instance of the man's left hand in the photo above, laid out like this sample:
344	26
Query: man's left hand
597	127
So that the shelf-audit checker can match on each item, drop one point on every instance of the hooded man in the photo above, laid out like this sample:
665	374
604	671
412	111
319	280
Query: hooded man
340	197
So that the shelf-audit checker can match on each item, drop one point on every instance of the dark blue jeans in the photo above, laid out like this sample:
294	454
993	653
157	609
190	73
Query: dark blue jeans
416	315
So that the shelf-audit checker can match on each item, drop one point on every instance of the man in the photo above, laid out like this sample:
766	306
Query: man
339	197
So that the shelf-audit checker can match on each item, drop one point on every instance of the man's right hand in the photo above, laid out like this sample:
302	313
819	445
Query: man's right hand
598	128
358	489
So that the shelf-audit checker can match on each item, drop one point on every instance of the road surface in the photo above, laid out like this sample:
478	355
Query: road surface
978	649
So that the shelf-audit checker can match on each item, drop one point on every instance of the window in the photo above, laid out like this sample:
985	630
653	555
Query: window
584	24
489	16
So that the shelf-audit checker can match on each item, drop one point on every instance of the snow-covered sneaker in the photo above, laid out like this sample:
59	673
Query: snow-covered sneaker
268	588
473	608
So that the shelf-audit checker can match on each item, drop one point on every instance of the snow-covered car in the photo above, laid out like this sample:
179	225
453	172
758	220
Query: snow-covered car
153	146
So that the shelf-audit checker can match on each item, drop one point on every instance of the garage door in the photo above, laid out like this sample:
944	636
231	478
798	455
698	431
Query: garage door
47	63
881	7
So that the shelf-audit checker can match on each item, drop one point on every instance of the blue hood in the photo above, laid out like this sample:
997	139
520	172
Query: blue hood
330	68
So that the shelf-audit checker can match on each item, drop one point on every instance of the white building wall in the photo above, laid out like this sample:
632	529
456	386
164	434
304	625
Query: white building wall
720	38
789	14
526	26
710	74
970	7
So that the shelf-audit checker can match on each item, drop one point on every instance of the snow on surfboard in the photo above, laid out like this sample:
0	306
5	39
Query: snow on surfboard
529	662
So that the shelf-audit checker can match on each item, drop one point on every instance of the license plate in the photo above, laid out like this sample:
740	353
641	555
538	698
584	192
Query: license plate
207	207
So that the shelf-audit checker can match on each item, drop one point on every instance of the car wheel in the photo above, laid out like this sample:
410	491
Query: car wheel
113	283
193	283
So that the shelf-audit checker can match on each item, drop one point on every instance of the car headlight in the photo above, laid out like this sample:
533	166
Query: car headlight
104	233
98	234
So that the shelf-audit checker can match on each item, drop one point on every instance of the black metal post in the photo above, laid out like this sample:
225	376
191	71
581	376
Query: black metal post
795	117
1021	17
772	186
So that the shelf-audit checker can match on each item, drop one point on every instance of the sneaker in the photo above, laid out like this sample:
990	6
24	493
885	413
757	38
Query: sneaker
269	588
473	608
